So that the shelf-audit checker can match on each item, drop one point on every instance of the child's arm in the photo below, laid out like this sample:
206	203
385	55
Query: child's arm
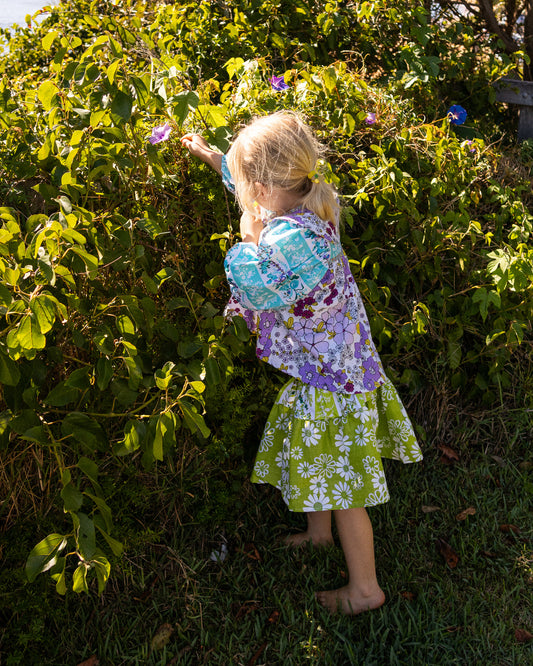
251	228
199	147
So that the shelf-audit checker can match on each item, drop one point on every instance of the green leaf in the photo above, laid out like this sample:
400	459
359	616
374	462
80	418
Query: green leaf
85	429
42	557
183	103
72	497
195	422
89	468
85	536
47	93
102	569
117	547
59	575
9	371
61	395
79	579
28	334
49	39
164	432
122	105
104	372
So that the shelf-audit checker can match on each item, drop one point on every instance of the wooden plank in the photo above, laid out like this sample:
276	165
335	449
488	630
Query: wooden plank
514	91
525	123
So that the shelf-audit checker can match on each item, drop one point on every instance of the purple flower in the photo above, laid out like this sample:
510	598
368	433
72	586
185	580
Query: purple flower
471	146
308	374
278	83
370	119
456	114
160	133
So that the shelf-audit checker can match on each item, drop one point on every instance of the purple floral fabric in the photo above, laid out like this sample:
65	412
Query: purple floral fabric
296	291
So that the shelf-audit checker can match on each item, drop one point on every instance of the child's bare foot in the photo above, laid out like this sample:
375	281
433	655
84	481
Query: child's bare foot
350	603
301	538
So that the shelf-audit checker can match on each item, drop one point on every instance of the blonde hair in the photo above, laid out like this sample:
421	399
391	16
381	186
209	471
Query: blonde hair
281	151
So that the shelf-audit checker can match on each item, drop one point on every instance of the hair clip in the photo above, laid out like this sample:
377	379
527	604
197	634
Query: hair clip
314	176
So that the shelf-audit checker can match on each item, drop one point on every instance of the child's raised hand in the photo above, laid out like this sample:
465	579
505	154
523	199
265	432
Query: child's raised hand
199	147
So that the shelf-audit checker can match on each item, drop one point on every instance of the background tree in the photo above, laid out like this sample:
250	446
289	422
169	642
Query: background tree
510	21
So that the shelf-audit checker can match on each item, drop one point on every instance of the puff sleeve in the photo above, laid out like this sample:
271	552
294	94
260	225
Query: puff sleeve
286	265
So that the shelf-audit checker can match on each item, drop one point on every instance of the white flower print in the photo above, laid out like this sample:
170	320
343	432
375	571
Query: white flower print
378	480
388	391
379	497
369	415
371	465
324	465
267	439
317	501
261	468
361	435
342	494
358	482
343	442
399	430
283	422
310	434
295	492
281	460
318	484
297	453
304	469
344	469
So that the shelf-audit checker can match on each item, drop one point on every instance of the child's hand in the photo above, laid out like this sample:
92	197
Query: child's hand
251	228
199	147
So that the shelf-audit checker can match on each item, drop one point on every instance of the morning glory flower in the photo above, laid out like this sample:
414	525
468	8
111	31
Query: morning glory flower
456	114
278	83
370	119
160	133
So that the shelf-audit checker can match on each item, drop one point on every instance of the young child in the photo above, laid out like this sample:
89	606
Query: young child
338	414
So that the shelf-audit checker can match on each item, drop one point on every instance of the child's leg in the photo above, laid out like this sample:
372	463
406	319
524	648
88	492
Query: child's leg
362	591
318	530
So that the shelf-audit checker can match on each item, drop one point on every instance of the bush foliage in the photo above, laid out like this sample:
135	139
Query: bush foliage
114	352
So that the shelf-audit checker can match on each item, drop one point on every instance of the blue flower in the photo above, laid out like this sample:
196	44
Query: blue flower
278	83
160	133
370	118
456	114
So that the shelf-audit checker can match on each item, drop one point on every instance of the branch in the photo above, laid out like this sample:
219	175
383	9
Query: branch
487	10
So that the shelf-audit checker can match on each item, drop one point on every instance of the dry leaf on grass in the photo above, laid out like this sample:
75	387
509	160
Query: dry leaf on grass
507	529
449	554
464	514
430	509
449	456
162	636
408	595
92	661
523	636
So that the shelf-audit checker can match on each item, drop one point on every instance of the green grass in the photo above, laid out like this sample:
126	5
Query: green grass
258	606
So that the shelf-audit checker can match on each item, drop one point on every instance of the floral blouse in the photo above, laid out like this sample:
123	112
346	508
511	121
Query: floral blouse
296	291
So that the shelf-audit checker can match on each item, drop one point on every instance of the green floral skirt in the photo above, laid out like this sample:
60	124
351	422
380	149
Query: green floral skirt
323	450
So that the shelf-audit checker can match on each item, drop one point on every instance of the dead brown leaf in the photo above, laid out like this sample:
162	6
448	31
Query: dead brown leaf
523	636
251	551
464	514
526	465
162	636
408	595
92	661
240	610
430	509
449	456
507	529
449	554
274	617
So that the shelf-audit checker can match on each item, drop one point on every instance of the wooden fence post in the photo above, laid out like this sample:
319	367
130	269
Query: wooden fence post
515	91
